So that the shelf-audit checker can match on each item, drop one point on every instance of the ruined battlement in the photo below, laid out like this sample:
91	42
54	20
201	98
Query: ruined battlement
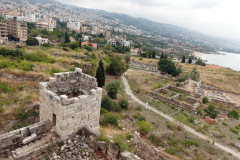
71	100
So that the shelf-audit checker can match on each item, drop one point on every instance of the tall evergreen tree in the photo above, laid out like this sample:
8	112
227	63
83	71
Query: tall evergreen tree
100	75
190	60
183	59
67	40
80	43
162	56
154	54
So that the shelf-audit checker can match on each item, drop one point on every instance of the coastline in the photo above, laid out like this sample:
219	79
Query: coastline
198	54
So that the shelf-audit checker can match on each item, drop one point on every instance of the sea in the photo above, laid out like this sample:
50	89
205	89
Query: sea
224	59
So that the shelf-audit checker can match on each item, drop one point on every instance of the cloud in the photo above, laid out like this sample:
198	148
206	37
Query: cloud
213	17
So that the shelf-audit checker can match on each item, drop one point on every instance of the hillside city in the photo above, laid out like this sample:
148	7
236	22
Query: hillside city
86	84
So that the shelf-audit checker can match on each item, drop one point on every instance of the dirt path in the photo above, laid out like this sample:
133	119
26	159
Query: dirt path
220	146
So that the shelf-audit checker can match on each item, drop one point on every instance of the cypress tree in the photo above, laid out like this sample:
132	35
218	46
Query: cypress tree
162	56
190	60
183	59
67	40
80	43
100	75
154	54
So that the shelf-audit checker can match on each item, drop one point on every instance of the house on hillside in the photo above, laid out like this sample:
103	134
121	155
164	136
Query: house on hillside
93	45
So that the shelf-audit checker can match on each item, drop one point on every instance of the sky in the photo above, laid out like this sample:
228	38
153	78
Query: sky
219	18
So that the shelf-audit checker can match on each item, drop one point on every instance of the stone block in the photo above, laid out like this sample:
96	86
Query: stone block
29	139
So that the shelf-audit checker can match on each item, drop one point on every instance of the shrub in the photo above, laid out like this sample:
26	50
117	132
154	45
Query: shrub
13	53
123	103
109	118
32	42
144	127
188	143
168	67
224	123
211	111
138	108
152	138
65	49
205	100
39	58
233	114
233	130
119	140
139	117
103	138
7	87
54	70
116	66
46	45
117	108
191	119
107	103
113	88
88	48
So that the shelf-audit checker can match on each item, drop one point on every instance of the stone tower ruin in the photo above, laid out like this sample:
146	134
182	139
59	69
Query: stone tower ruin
70	100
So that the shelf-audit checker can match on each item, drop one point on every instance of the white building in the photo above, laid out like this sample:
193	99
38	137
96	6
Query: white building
74	25
41	40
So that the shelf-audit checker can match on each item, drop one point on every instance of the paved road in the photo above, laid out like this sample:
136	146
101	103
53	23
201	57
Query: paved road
220	146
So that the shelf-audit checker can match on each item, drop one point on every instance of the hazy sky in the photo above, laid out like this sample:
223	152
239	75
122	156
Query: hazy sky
214	17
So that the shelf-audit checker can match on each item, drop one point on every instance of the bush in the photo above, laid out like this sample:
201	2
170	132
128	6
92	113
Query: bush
224	123
39	58
12	53
117	108
116	66
139	117
103	138
152	138
107	103
168	67
113	88
144	127
205	100
46	45
233	130
191	119
88	48
109	118
233	114
32	42
211	111
123	103
119	140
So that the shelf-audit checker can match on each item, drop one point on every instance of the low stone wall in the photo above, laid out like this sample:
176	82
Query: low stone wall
16	136
217	89
228	104
166	99
179	90
36	152
146	151
191	100
144	66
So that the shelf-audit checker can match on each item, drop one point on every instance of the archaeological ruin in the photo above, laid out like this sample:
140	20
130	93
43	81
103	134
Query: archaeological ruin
143	66
70	101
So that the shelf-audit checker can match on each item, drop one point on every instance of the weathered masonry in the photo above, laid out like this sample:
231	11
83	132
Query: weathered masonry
71	100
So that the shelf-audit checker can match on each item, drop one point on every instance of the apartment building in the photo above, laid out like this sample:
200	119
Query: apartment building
16	29
3	33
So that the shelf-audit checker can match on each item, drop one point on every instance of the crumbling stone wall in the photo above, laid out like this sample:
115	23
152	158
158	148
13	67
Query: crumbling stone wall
16	136
179	90
70	101
146	151
144	66
193	103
